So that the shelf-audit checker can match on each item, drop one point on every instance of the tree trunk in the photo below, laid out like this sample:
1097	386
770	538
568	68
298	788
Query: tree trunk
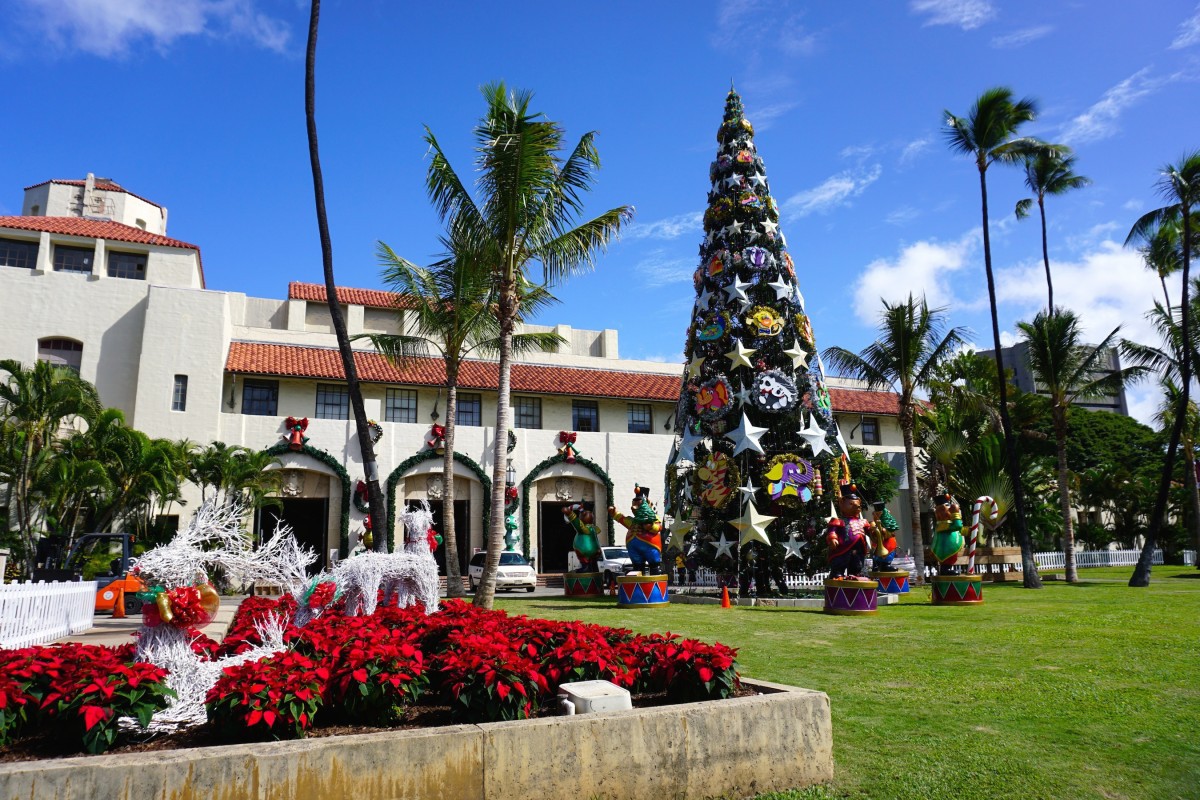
1141	573
1193	489
914	494
1028	566
485	594
378	509
454	586
1166	295
1064	493
1046	257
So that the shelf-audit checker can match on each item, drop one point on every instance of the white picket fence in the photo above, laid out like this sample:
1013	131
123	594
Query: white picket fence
33	613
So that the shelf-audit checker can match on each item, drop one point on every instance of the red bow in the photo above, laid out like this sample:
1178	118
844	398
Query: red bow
567	437
439	432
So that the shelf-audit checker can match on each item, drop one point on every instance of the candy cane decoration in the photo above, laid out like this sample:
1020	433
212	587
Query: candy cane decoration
994	512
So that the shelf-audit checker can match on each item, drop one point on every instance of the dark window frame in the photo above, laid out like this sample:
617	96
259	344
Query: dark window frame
526	410
590	414
124	264
400	411
637	425
260	398
62	264
332	398
468	409
871	425
18	253
51	348
179	393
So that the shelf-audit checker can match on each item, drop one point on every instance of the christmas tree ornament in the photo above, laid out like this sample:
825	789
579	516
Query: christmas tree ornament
715	479
765	321
679	530
746	436
798	356
687	447
793	547
815	436
714	399
782	287
736	291
753	526
704	300
787	479
758	179
724	547
774	392
693	370
739	356
713	327
748	490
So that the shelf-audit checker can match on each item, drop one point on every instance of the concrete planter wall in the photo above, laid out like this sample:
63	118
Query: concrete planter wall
777	740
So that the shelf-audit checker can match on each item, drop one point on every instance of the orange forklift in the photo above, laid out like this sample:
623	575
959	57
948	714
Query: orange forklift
108	584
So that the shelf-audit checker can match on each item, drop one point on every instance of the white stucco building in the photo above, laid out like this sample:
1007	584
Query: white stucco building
89	278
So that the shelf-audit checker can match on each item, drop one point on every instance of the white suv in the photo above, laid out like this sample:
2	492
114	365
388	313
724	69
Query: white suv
613	561
514	573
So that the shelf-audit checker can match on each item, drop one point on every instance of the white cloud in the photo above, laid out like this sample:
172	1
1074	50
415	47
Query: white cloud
914	149
1092	236
1100	121
966	14
764	117
110	28
858	152
1133	204
925	267
834	191
902	216
1143	400
742	21
1007	339
659	269
1022	37
1189	32
669	228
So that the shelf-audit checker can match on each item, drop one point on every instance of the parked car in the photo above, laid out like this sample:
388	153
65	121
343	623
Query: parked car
514	573
613	561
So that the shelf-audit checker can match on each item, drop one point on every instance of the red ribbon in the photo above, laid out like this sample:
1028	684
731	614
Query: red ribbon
567	437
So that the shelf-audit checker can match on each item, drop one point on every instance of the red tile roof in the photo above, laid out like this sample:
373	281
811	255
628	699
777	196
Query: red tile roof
257	358
371	298
93	229
106	186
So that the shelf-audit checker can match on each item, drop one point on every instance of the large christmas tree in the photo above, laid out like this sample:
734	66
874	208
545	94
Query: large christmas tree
759	452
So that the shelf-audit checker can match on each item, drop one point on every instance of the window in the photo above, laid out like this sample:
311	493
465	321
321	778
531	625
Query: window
73	259
870	430
528	412
585	416
61	353
260	398
16	253
127	265
640	419
469	409
179	396
333	401
400	406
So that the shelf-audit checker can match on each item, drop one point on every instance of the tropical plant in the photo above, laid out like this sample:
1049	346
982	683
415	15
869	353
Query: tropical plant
375	499
1179	185
988	133
913	342
1188	441
1048	171
1066	371
235	475
529	197
452	311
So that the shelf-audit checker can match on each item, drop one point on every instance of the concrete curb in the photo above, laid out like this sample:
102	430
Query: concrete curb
769	602
777	740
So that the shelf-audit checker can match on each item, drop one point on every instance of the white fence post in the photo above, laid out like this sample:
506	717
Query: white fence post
34	613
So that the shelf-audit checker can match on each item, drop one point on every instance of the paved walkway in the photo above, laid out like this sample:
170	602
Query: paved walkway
109	631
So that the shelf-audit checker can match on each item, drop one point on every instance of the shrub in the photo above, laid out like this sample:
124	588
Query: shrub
691	670
13	709
486	678
275	697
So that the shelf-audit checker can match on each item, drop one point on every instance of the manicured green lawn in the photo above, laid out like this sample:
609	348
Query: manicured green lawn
1068	692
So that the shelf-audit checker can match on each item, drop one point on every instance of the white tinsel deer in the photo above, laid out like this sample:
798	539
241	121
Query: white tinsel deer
405	577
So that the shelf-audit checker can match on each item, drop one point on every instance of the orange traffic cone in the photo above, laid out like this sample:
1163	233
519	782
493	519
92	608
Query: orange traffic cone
725	597
119	607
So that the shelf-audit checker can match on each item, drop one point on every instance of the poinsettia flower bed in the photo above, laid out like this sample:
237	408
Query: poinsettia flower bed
460	664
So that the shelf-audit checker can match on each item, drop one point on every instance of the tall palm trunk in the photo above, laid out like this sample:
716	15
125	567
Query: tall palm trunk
449	541
486	593
1193	490
914	498
1028	566
1141	573
374	496
1064	493
1046	256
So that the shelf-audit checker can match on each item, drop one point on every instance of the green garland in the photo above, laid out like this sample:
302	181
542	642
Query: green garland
559	458
428	455
328	460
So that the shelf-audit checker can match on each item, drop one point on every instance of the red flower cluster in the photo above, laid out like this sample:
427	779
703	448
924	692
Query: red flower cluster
276	696
322	594
80	689
692	670
242	634
487	677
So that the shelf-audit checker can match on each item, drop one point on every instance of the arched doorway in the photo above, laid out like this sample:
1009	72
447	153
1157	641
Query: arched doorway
313	500
420	478
545	490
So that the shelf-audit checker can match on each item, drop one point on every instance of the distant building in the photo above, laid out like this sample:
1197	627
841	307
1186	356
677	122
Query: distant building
90	280
1016	360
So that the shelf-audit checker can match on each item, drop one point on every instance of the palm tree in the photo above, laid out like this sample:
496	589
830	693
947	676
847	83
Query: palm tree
1066	371
375	497
1049	171
235	474
1179	184
529	198
913	343
452	311
1188	440
988	134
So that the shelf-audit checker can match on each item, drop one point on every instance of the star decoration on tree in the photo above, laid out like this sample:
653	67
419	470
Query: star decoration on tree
724	547
687	447
783	289
704	300
736	291
694	365
748	490
733	180
678	530
770	227
758	179
794	547
753	526
815	437
743	395
746	435
734	227
798	355
739	356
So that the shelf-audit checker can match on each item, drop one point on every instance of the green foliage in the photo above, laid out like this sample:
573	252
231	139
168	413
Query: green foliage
877	480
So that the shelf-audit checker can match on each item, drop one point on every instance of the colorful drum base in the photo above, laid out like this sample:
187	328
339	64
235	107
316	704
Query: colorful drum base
957	590
580	584
642	590
851	598
891	581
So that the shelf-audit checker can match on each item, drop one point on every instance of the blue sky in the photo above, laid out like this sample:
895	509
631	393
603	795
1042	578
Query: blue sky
198	104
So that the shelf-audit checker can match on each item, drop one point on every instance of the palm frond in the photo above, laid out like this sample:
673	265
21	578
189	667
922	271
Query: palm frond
1023	207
